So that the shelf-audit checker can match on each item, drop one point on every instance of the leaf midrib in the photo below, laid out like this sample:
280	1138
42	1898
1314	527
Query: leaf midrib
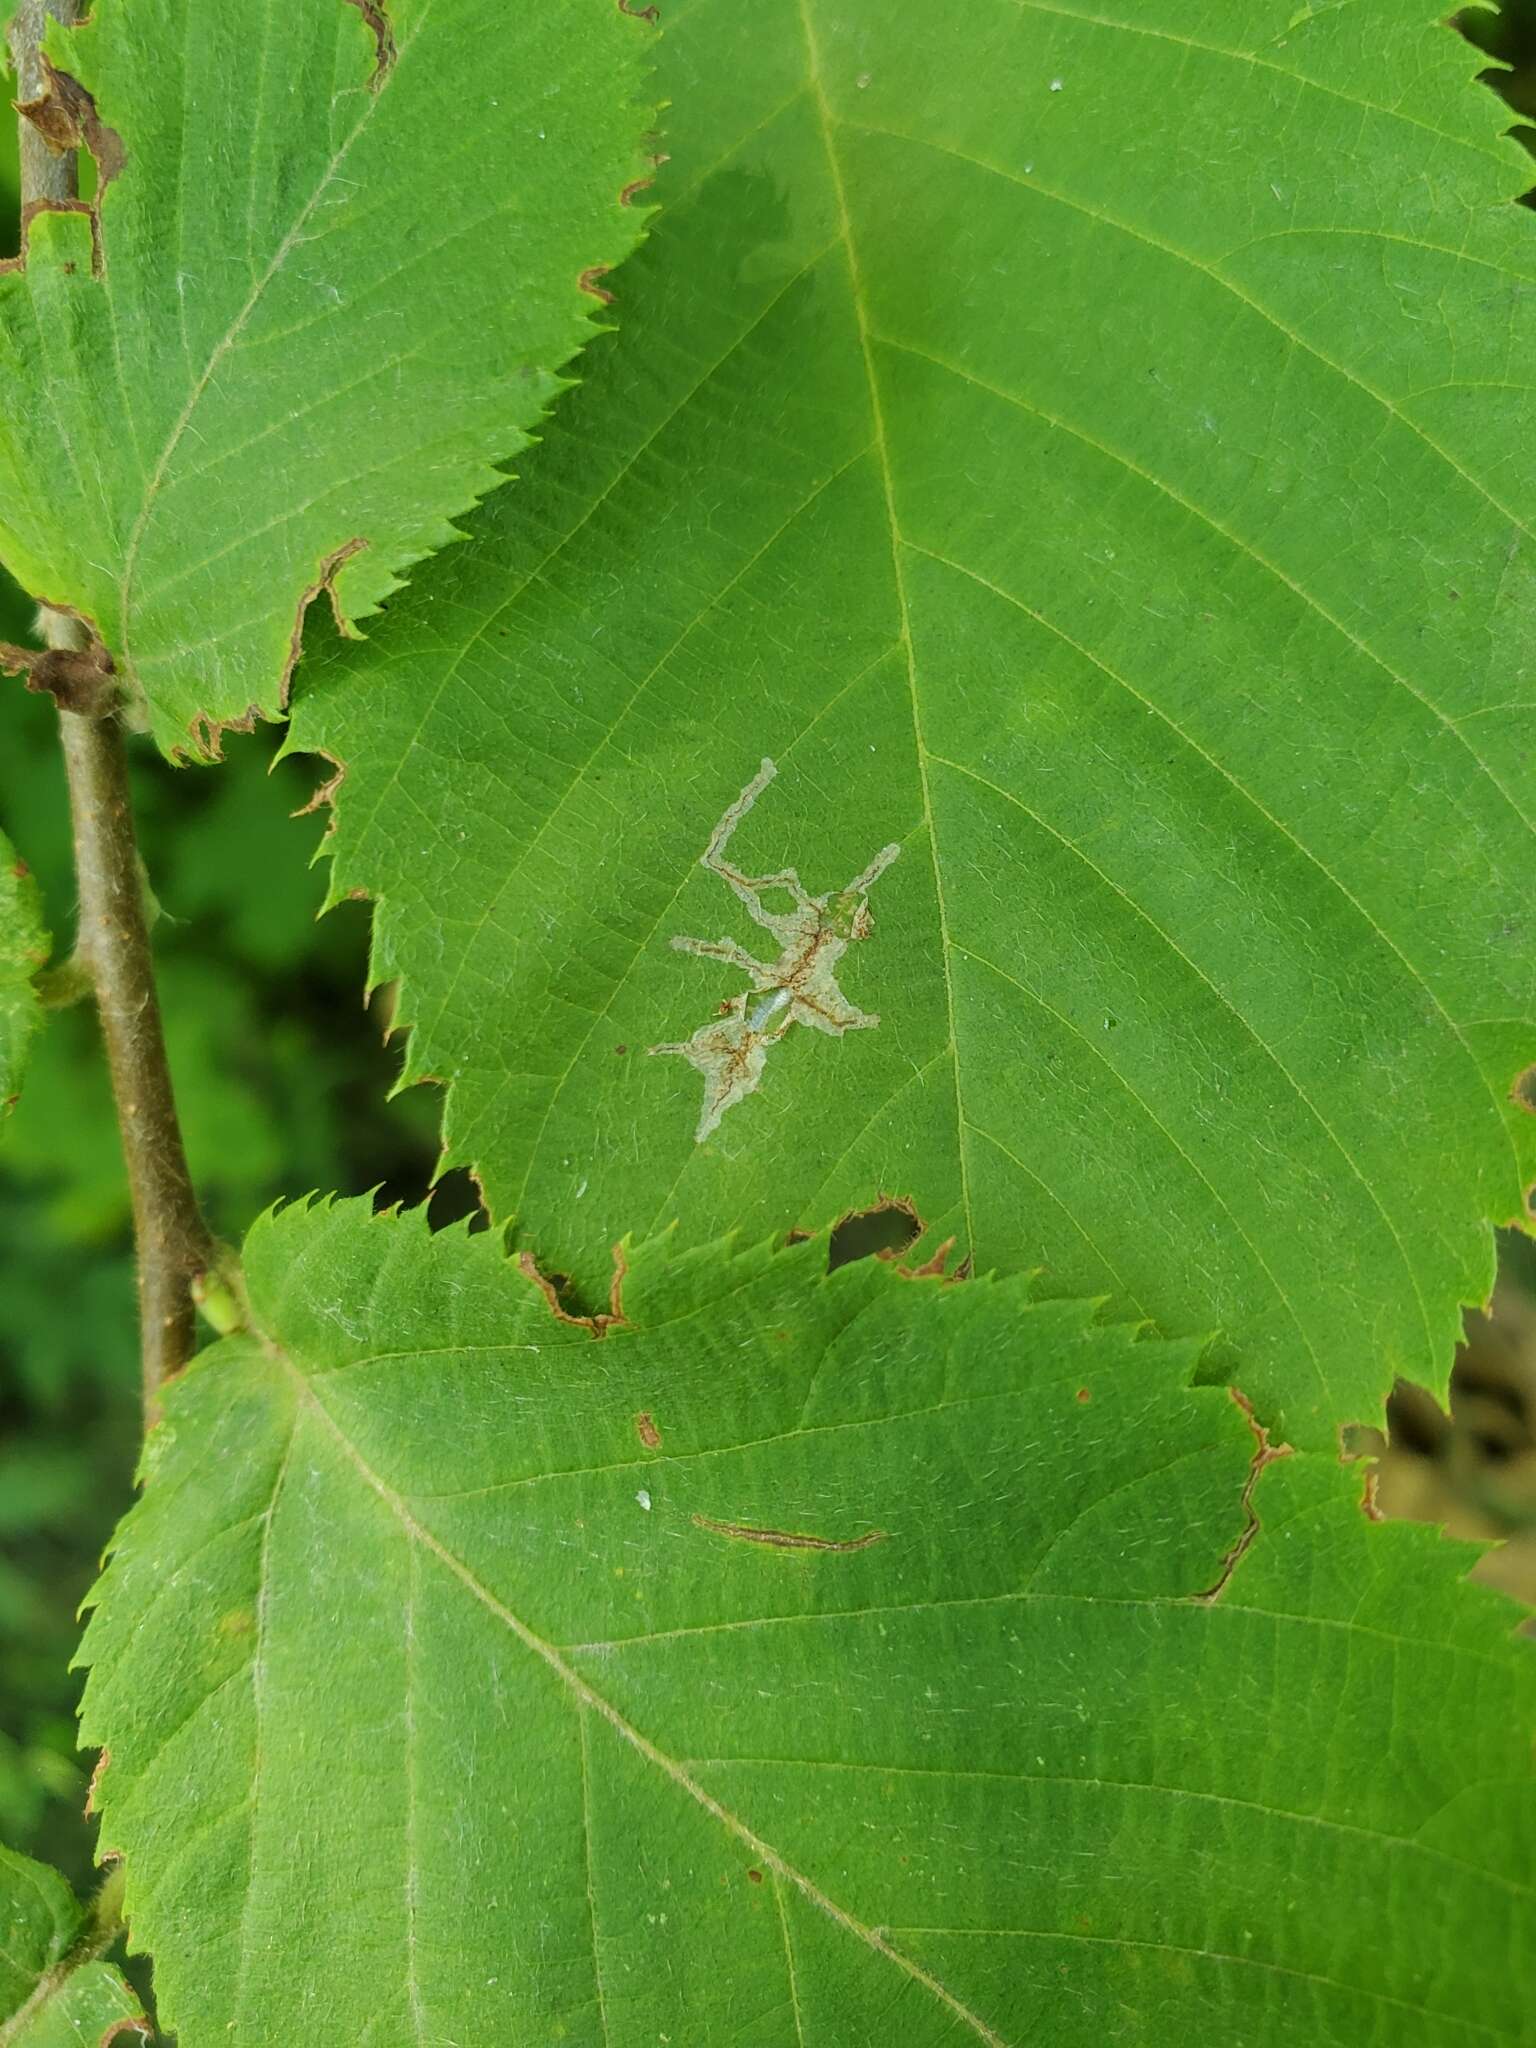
826	124
588	1699
829	124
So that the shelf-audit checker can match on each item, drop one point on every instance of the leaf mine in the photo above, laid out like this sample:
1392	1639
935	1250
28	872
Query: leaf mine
799	987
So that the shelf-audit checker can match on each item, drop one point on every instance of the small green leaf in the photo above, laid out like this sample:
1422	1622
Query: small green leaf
24	948
54	1991
1079	446
797	1659
338	255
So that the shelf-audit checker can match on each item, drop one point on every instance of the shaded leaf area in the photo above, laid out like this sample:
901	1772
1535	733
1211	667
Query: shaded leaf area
812	1658
24	947
335	262
55	1992
1083	449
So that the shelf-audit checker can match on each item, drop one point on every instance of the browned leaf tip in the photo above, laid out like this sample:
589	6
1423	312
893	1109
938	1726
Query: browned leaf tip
587	282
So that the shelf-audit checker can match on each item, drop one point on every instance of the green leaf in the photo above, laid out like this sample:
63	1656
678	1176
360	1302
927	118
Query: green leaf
24	949
1081	448
346	251
811	1659
54	1991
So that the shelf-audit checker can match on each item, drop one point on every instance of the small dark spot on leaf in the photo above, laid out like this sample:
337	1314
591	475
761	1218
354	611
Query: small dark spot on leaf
1083	1394
754	1877
639	13
647	1432
621	1048
1523	1090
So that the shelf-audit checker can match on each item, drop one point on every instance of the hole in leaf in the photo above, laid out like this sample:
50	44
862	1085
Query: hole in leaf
1471	1465
882	1232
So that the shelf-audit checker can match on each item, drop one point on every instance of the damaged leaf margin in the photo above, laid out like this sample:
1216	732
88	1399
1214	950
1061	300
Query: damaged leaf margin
167	477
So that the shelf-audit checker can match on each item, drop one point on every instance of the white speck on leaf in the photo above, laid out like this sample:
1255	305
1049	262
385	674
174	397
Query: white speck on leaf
644	1499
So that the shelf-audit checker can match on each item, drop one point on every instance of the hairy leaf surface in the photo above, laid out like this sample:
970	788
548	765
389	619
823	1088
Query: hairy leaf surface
1083	448
339	253
49	1996
23	950
808	1660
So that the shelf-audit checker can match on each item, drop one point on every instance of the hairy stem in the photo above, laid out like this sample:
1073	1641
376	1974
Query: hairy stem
172	1240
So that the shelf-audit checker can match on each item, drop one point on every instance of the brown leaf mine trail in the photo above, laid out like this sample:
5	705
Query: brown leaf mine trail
799	987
